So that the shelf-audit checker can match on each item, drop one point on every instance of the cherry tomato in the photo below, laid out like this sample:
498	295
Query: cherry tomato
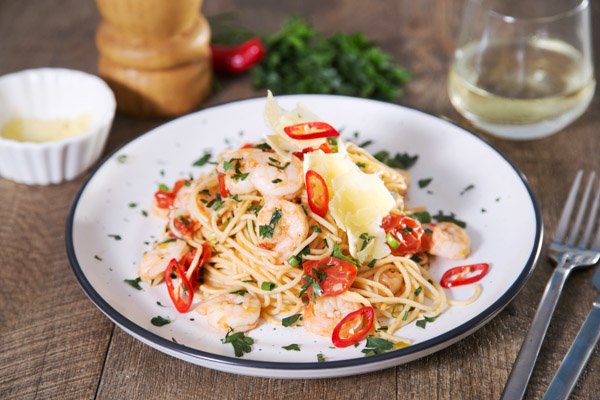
354	327
324	147
238	58
184	294
403	234
311	130
185	226
318	194
338	275
222	186
464	275
426	239
165	198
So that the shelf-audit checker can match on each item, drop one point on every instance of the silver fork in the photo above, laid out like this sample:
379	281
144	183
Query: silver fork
568	253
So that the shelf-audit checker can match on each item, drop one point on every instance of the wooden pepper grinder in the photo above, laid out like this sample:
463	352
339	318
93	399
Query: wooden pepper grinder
155	55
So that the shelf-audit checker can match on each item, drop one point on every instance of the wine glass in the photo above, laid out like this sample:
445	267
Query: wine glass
523	69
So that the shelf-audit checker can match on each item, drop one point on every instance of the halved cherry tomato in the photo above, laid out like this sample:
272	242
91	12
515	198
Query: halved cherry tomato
222	187
318	195
185	226
238	58
247	146
183	295
311	130
426	239
324	147
165	198
353	328
464	275
339	275
403	234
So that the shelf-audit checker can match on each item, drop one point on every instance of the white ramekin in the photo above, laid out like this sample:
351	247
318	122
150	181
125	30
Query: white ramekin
49	93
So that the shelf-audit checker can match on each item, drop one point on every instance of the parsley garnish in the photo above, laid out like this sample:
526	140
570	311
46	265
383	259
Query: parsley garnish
422	322
255	208
277	180
266	231
204	192
440	217
122	158
292	346
423	183
399	161
240	292
372	263
314	282
134	283
337	253
163	187
235	198
320	357
97	257
383	328
279	167
316	228
418	290
366	143
202	160
333	143
160	321
227	165
361	164
376	346
405	315
240	342
291	320
262	146
366	238
422	216
268	286
296	260
132	205
158	303
144	213
465	190
116	237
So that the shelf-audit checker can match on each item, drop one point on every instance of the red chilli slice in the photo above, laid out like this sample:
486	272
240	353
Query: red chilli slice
354	327
464	275
318	194
222	186
184	294
311	130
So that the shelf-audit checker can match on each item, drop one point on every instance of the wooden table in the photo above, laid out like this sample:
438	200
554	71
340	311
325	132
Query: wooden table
54	343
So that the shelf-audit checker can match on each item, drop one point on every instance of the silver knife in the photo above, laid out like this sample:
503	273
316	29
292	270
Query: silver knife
574	362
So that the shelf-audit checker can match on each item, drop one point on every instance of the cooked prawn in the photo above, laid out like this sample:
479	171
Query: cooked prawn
450	240
237	165
289	230
392	279
155	261
235	311
325	313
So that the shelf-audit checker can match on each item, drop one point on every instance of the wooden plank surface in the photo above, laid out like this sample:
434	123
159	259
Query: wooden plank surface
55	344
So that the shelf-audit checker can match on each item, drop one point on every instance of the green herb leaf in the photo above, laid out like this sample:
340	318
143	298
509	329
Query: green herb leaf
144	213
227	165
422	216
465	190
376	346
116	237
122	158
292	346
240	342
163	187
372	263
399	161
405	315
361	164
132	205
423	183
202	160
366	143
337	253
266	231
134	283
160	321
441	217
316	228
291	320
423	322
97	257
366	238
277	180
268	286
240	292
320	357
418	290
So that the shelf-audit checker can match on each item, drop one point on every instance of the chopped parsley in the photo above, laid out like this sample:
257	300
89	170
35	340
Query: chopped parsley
296	260
116	237
383	328
376	346
160	321
279	167
366	238
366	143
333	143
97	257
277	180
465	190
423	322
268	286
249	281
337	253
240	292
399	161
292	346
144	213
204	192
218	203
497	199
132	205
405	315
227	165
316	228
134	283
441	217
262	146
255	208
163	187
122	158
422	216
235	198
202	160
372	263
423	183
158	303
418	291
266	231
483	210
313	281
320	357
361	164
240	342
187	183
291	320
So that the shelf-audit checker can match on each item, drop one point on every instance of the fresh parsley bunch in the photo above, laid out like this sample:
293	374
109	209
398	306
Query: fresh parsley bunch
300	60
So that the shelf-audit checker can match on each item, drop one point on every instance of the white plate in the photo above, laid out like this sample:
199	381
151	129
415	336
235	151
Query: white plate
503	221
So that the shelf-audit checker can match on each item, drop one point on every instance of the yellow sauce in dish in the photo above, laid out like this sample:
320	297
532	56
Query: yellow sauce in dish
45	130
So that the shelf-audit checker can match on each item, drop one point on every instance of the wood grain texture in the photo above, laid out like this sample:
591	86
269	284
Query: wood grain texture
55	344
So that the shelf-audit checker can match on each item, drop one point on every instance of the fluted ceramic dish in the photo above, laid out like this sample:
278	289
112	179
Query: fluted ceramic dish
52	93
503	221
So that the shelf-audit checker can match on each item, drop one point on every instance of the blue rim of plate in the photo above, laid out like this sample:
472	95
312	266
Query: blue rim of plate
464	329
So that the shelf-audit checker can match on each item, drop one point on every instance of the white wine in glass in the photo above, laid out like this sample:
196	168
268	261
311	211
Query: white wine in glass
516	78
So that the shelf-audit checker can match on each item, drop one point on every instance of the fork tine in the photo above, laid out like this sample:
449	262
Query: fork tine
591	221
561	230
582	209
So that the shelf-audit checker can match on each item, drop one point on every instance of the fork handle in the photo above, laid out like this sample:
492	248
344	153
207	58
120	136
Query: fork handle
521	372
571	367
